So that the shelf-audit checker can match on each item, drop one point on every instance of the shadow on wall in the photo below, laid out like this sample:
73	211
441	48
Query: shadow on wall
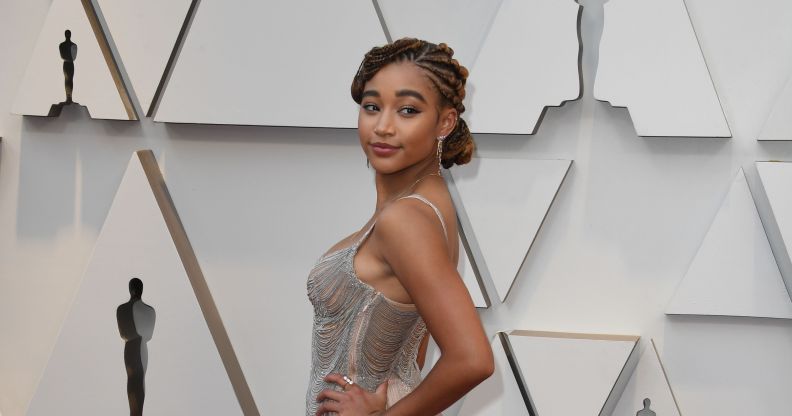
69	169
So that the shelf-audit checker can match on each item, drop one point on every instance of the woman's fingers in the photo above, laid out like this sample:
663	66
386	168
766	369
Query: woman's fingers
336	378
353	399
328	406
329	394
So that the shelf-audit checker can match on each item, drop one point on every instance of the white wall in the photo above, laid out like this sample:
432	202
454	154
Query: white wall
623	230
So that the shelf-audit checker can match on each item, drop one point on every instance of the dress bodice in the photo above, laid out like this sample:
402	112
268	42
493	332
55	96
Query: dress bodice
359	332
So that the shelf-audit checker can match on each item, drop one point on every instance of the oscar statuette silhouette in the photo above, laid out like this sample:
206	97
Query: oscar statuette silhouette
646	411
136	325
68	51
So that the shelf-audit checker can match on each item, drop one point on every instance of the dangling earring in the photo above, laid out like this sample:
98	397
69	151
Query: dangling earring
440	154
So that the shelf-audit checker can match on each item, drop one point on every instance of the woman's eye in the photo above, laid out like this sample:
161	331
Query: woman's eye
370	107
409	110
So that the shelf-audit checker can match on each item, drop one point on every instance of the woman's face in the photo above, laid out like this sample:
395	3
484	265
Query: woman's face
400	118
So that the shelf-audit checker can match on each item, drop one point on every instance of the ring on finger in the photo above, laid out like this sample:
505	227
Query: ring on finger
348	381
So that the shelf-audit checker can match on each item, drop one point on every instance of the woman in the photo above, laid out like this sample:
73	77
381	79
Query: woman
377	292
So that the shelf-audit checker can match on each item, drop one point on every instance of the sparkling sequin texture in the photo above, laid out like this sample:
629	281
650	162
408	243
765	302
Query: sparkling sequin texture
359	332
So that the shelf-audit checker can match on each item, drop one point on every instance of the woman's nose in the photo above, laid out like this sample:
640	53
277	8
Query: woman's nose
384	126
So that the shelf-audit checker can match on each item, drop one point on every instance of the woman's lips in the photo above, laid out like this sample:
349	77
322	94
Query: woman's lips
383	149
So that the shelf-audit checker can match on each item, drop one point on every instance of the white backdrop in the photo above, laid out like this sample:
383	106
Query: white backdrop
621	234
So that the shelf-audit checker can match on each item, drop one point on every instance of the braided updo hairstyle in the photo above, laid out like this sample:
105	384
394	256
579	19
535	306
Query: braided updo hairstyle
446	75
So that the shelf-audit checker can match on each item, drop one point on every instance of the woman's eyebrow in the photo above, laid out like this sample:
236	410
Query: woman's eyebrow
370	93
410	93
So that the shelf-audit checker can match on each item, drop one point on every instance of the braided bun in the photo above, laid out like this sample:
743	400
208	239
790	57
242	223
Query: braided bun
447	76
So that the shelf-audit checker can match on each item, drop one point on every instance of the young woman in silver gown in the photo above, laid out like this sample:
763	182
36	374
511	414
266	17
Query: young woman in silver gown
379	292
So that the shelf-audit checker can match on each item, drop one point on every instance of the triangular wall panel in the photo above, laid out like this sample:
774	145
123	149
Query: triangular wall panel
734	272
97	80
572	374
469	276
85	374
777	183
465	23
528	61
650	62
505	202
283	64
648	381
778	125
144	32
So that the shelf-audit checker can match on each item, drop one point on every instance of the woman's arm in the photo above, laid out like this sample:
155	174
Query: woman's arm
410	240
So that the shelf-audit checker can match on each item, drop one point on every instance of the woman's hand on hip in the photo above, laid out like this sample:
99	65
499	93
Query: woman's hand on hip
353	401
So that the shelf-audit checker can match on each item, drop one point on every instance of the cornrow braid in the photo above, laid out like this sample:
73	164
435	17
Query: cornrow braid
446	75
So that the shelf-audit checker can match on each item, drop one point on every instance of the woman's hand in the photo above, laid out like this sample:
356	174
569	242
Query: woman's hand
353	401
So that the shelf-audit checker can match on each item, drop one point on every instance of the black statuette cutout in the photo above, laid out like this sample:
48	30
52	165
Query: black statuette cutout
136	325
646	411
68	52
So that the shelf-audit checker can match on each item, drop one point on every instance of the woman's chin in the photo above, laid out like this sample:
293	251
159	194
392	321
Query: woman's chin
386	167
386	171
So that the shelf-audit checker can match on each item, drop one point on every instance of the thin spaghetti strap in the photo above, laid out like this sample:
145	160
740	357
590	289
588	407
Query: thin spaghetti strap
363	237
437	211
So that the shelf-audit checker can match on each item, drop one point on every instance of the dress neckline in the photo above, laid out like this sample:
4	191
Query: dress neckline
354	275
355	243
353	248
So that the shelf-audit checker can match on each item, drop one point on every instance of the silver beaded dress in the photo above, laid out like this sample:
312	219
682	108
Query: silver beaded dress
359	332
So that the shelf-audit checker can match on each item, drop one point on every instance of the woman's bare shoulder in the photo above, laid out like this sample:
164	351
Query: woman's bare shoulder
414	220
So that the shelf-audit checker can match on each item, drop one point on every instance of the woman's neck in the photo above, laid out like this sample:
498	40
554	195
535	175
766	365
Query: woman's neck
401	183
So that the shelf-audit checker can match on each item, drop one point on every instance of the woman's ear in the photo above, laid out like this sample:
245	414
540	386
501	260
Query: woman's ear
448	119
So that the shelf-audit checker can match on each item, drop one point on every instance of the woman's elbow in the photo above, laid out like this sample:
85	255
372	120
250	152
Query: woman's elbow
482	366
489	367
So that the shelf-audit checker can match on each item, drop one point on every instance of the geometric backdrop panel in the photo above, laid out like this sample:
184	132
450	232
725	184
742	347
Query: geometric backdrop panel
650	62
777	182
527	62
184	373
287	63
465	23
144	32
734	272
572	374
648	388
503	203
96	80
778	125
471	277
